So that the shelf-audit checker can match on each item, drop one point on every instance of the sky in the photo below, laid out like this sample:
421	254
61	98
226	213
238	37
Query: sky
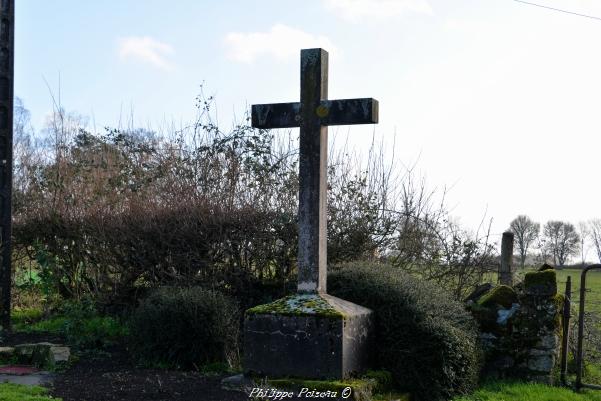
497	100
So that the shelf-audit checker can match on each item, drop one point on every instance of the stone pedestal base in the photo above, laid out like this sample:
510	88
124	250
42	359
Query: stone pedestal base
308	336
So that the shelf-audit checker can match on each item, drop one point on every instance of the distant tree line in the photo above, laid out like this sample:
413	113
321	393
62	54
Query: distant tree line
557	242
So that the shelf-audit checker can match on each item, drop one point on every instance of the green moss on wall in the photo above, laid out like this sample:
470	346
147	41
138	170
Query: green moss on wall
501	295
297	305
545	277
541	283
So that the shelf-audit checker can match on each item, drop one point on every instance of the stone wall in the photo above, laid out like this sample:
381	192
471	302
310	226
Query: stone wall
520	327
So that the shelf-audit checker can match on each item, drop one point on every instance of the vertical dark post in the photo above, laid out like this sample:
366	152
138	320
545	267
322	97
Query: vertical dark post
312	239
506	269
7	30
566	331
580	351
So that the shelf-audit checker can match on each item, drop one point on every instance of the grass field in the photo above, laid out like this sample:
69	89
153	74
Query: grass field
507	391
593	285
15	392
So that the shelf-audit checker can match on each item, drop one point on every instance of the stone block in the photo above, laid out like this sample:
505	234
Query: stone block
43	355
24	352
60	354
550	342
541	363
6	354
310	336
542	283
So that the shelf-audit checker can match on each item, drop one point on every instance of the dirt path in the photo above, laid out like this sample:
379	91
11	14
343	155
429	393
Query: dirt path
113	377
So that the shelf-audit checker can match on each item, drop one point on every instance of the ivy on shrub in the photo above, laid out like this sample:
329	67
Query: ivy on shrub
423	337
185	328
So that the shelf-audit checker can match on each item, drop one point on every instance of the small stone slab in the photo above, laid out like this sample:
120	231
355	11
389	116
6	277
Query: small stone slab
60	354
25	351
6	354
43	355
238	383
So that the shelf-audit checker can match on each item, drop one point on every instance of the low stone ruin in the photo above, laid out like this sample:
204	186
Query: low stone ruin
520	327
43	355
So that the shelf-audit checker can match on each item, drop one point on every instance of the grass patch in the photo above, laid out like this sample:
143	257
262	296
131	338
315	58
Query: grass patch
593	283
514	391
81	328
26	316
52	325
17	392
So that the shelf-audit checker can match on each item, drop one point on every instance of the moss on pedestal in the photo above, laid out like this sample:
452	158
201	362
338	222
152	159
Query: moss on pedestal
298	305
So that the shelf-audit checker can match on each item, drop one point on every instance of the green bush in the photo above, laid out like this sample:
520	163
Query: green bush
185	328
424	338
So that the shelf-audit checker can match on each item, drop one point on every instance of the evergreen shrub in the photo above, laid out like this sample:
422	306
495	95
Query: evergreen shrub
423	337
185	328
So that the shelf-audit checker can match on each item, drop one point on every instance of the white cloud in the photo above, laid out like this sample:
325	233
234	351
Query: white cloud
146	49
356	10
281	42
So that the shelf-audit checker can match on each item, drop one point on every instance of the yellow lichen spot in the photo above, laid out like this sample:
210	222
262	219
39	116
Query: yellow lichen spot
322	111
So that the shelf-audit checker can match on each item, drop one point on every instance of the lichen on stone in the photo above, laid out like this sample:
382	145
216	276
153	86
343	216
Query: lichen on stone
297	305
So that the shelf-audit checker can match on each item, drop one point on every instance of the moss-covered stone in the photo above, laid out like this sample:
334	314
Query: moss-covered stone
501	295
541	283
298	305
7	355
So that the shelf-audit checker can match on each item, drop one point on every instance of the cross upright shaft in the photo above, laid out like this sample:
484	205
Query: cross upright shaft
313	158
313	115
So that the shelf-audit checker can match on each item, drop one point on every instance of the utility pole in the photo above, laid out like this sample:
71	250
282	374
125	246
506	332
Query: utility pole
7	59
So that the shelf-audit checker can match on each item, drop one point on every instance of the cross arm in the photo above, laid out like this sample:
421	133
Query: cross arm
329	112
276	115
349	111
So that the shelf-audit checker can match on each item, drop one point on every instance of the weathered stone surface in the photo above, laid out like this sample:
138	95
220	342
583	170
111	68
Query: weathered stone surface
506	267
24	352
505	314
523	341
43	355
541	283
6	354
541	363
504	362
310	344
550	341
238	383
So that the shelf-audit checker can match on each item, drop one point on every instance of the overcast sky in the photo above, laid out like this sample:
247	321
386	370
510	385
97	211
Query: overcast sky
500	100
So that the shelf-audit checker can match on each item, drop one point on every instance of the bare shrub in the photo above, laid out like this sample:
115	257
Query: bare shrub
113	214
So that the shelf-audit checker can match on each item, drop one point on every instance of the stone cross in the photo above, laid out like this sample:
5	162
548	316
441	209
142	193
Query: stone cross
313	115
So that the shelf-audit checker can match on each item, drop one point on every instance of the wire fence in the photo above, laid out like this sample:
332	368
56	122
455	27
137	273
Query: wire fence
592	322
